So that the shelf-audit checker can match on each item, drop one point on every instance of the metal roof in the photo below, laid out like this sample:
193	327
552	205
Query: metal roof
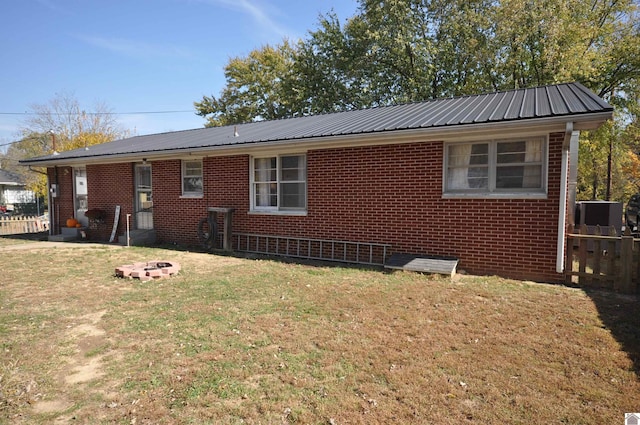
562	100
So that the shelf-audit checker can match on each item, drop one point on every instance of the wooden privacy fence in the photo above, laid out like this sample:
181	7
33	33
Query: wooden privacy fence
606	260
20	225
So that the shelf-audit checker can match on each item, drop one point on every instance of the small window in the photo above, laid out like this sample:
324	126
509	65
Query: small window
514	166
279	183
192	178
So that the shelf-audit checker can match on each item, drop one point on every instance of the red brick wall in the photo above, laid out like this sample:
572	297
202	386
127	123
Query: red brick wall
387	194
62	206
108	186
175	219
393	194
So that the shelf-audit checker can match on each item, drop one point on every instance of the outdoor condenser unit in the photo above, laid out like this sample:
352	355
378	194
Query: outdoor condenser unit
599	213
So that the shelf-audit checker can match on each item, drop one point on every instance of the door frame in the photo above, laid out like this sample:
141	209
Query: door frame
143	197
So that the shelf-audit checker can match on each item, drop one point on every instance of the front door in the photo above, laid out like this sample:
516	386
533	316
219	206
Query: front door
144	198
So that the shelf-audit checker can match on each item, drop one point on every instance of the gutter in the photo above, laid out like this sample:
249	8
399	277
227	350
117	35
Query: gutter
569	144
37	171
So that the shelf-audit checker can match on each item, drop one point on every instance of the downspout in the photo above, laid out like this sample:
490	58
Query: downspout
573	175
562	216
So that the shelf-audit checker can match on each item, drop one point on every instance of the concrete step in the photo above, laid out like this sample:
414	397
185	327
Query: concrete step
138	238
423	263
62	238
69	234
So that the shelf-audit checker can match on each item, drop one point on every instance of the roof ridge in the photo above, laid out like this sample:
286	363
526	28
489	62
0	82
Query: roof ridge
394	105
375	107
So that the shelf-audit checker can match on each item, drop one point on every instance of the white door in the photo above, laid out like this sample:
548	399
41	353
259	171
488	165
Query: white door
144	197
81	201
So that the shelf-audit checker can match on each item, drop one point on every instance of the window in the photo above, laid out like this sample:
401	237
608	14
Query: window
279	183
494	167
192	178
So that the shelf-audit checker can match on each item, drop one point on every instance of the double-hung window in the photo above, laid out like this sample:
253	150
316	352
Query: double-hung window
497	167
279	183
192	178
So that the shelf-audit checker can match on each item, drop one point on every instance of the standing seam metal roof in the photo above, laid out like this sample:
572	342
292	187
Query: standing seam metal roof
521	104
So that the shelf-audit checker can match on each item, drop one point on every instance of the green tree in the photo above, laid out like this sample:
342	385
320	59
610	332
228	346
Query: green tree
255	88
396	51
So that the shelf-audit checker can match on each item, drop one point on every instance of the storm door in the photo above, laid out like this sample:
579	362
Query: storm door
80	199
144	198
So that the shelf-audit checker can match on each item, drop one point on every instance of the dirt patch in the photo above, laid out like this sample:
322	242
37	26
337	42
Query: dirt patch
84	337
51	406
85	371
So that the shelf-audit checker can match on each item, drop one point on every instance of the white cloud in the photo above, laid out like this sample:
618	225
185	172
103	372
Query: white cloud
136	48
256	10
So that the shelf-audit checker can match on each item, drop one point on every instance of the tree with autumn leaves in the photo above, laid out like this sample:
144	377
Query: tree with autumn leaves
397	51
64	122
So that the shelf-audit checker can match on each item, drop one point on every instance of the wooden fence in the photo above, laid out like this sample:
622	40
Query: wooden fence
607	260
21	225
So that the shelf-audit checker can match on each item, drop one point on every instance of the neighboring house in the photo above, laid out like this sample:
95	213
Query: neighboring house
486	179
13	192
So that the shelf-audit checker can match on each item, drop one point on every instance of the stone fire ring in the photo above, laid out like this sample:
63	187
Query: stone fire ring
148	271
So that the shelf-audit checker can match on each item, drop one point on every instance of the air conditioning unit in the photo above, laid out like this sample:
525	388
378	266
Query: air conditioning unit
605	214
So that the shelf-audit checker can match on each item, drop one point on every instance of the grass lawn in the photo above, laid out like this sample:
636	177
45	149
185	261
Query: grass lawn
232	341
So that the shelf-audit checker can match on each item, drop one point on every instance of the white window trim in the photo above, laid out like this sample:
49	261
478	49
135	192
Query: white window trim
183	166
492	192
254	210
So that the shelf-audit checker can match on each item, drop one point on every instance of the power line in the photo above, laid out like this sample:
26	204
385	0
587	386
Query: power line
99	113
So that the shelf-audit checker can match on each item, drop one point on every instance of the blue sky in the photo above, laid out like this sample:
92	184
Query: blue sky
137	55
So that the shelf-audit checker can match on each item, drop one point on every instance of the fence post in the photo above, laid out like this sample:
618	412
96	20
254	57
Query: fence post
624	284
582	256
597	257
568	264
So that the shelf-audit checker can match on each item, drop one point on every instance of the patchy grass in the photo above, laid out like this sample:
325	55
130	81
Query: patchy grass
233	340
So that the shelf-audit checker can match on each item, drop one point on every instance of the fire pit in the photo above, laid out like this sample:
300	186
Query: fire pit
148	271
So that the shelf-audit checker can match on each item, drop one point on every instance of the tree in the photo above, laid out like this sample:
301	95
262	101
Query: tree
62	120
72	126
254	90
330	69
596	43
396	51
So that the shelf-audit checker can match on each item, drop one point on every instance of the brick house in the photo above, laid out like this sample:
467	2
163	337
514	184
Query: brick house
488	179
